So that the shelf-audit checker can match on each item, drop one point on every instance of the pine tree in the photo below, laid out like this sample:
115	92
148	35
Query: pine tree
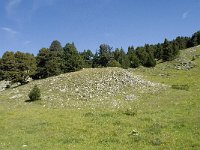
25	66
87	57
158	52
55	63
71	58
150	61
95	61
55	46
195	40
17	67
49	61
1	71
167	51
123	59
104	54
176	48
42	61
134	61
8	66
117	54
142	55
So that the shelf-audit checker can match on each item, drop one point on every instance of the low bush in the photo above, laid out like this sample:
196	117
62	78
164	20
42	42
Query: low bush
129	112
34	94
113	63
181	87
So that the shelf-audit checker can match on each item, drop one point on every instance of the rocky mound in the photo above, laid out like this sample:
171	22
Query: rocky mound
187	58
100	86
184	64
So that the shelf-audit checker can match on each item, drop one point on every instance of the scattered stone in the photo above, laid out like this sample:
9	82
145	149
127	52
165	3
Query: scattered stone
134	132
15	85
106	87
183	64
24	146
16	96
4	84
130	97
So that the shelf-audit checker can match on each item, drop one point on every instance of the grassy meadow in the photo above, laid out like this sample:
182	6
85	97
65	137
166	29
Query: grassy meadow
167	118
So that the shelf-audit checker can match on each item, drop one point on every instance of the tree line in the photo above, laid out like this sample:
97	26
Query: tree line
55	60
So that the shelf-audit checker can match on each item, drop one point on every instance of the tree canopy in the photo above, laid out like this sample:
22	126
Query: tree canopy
71	59
19	66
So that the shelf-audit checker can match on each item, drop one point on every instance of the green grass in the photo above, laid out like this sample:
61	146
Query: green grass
169	119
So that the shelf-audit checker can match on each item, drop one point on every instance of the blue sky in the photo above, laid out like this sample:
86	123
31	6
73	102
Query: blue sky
29	25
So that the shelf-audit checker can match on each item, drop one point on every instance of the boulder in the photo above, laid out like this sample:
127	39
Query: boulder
4	84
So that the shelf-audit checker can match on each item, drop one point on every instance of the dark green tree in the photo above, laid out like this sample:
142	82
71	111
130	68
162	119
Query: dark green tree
131	50
87	57
17	67
134	61
195	40
150	49
55	46
54	66
55	62
1	71
95	61
182	42
49	61
121	57
158	51
42	63
25	66
117	54
8	66
176	48
167	51
104	54
150	61
142	55
71	58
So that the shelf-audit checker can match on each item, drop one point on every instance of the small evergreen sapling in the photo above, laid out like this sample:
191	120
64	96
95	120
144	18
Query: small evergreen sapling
34	94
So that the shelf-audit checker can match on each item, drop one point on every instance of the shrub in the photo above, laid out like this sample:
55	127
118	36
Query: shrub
193	58
113	63
34	94
129	112
181	87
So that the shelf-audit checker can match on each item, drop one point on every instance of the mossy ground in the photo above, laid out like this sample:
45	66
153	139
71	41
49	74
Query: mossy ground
169	119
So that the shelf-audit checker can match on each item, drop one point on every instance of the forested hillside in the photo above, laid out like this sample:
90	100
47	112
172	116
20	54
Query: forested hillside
108	108
55	60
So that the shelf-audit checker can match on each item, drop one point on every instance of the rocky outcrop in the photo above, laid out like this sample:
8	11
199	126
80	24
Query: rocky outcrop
4	84
8	84
183	64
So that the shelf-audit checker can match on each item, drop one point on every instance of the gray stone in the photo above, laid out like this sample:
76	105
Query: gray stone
4	84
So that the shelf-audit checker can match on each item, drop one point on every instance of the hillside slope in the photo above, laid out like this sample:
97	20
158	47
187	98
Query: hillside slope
102	87
109	108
